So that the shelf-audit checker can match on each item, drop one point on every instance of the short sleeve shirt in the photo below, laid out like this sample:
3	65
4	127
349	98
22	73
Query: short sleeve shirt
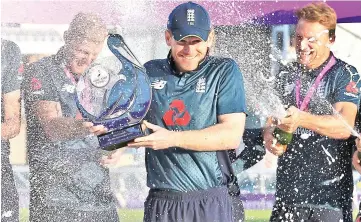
64	173
316	169
191	101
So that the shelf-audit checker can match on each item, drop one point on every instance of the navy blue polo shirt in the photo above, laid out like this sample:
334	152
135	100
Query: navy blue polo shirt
191	101
316	169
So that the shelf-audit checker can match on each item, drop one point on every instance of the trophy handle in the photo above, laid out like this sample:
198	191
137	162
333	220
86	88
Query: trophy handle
116	41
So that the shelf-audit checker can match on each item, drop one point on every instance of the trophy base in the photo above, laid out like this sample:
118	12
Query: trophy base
120	138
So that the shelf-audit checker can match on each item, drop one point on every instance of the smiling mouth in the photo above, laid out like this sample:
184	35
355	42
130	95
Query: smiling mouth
189	57
306	53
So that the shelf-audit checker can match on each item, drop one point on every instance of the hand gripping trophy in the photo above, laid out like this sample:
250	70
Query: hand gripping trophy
116	93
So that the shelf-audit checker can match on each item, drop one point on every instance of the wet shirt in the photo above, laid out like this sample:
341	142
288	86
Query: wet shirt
10	78
191	101
63	173
316	169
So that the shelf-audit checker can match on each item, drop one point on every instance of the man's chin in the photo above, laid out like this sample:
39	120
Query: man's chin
304	61
79	70
188	67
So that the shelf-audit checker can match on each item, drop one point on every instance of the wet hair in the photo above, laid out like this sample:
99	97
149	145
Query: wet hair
319	12
87	26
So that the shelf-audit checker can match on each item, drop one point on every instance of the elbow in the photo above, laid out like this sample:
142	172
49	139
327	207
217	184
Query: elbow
50	135
344	136
235	140
50	132
234	143
14	132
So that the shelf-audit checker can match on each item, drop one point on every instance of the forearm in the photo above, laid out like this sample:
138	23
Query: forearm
10	128
217	137
63	128
327	125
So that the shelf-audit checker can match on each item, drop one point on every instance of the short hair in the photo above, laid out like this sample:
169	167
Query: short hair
86	26
319	12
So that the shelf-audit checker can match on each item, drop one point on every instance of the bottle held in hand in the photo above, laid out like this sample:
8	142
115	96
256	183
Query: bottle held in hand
283	138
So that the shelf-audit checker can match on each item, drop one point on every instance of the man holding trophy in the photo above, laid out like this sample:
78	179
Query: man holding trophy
197	114
314	175
67	179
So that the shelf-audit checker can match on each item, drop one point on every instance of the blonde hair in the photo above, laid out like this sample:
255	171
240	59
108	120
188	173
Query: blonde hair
319	12
87	26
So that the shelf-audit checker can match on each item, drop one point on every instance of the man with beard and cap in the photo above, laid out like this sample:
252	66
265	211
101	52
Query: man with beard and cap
68	181
197	114
314	174
10	126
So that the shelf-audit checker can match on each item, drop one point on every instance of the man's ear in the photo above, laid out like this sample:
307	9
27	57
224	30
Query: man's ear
168	37
211	38
332	39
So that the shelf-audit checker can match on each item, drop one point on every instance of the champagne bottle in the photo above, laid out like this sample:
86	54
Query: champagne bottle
283	138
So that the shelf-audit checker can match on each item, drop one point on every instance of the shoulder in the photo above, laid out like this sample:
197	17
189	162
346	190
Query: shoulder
222	61
9	47
39	72
343	68
156	66
156	63
41	66
10	54
223	67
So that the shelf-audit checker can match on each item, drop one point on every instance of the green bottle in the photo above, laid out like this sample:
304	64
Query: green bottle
283	138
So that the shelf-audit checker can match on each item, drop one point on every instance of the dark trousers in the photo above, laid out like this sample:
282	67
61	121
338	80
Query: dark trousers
211	205
9	194
305	214
237	209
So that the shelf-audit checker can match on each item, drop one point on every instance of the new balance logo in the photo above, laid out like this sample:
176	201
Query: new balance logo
158	84
201	85
68	88
190	16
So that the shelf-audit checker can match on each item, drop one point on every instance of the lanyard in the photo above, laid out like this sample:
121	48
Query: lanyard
85	95
69	75
302	105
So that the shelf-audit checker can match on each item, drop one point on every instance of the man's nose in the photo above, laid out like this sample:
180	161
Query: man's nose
304	44
89	59
186	49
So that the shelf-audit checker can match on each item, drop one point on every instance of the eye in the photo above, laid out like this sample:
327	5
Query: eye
312	40
196	42
181	42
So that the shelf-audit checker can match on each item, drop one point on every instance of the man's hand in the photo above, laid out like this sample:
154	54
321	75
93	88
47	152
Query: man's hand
96	130
161	138
358	218
292	121
270	142
112	158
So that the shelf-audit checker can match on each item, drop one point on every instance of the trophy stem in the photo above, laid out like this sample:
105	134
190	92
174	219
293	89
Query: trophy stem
119	138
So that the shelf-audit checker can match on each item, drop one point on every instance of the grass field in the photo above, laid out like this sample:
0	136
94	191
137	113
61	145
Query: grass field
127	215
